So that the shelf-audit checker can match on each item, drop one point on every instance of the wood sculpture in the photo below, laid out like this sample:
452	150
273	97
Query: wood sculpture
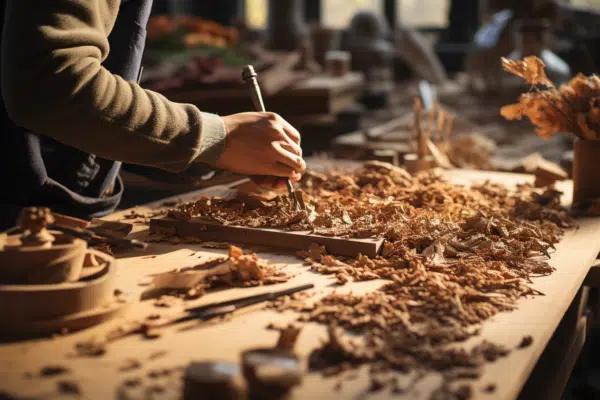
40	256
50	281
422	159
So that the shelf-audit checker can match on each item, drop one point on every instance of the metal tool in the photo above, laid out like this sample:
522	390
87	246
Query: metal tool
207	312
249	76
227	307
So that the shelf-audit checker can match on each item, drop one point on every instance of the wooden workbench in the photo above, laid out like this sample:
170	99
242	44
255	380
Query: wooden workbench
100	378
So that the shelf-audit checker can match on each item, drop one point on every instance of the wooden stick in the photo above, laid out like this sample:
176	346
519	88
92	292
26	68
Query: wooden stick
430	118
439	132
421	143
448	130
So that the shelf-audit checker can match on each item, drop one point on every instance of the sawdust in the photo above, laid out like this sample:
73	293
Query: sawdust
453	256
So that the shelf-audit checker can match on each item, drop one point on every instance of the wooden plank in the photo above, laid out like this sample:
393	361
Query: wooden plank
298	240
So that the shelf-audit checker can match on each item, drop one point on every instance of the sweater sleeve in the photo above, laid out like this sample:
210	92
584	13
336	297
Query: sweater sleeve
53	83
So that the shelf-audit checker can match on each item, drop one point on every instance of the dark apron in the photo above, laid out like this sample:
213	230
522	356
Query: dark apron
37	170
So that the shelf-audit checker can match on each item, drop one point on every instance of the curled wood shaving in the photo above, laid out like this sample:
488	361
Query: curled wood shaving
238	269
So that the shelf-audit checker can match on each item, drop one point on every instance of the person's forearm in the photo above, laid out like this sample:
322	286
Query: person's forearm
53	83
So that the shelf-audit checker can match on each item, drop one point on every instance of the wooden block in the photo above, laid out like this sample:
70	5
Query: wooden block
69	222
547	172
300	240
120	229
529	164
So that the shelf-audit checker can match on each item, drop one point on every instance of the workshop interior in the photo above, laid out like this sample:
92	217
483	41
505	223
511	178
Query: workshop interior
300	199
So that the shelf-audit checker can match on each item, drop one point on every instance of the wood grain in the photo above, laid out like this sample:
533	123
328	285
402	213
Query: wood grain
38	307
297	240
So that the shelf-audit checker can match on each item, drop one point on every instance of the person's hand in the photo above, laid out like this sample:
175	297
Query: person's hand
263	146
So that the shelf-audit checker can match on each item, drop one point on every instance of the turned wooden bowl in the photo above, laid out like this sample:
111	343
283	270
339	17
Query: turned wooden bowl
40	309
33	265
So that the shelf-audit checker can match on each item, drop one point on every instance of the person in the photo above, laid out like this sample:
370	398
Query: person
72	112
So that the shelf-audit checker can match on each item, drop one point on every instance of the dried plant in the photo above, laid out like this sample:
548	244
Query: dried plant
573	108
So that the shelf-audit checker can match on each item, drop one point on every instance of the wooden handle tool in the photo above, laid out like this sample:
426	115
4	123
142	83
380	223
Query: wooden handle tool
249	76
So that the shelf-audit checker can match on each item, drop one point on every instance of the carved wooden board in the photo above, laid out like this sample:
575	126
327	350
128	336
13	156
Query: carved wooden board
299	240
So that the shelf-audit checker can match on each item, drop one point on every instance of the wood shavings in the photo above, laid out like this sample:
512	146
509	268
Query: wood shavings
130	365
132	382
238	269
288	337
161	237
215	245
295	302
453	257
157	354
525	342
69	387
138	215
93	347
167	301
53	370
489	388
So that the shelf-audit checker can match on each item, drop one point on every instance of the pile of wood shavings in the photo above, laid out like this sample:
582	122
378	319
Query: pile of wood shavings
238	269
455	256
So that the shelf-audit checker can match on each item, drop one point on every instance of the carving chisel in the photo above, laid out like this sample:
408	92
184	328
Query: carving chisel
249	76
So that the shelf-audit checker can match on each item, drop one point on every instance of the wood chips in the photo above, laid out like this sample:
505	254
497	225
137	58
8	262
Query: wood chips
453	256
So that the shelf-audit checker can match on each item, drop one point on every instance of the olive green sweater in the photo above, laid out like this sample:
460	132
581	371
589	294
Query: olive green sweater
53	83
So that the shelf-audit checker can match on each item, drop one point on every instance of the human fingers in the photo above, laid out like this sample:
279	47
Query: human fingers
296	177
278	122
282	170
288	158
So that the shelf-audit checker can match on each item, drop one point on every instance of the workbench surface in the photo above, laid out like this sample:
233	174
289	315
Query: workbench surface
101	377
